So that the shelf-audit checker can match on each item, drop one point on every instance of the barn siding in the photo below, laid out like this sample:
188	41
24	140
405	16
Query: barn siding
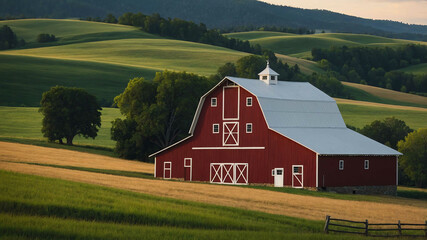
381	172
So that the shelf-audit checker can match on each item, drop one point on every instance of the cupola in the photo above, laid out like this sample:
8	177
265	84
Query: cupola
268	75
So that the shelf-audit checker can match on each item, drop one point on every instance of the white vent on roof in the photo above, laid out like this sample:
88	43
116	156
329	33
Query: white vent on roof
268	75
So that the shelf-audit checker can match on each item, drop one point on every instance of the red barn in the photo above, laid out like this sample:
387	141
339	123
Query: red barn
265	131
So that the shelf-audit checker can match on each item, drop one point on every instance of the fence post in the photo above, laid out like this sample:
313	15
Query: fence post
426	228
366	227
399	227
328	218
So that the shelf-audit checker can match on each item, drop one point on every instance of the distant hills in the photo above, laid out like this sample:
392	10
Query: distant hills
217	14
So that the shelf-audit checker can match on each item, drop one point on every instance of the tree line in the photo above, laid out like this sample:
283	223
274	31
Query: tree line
180	29
376	66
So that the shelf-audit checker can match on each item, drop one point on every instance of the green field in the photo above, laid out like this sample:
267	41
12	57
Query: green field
25	78
96	56
301	45
35	207
416	69
359	116
25	123
71	31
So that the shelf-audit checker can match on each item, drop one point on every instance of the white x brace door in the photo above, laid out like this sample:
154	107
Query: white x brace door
229	173
230	135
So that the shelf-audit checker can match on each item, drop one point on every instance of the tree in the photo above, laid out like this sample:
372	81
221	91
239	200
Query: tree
388	131
158	112
45	37
69	112
414	159
250	66
8	38
110	18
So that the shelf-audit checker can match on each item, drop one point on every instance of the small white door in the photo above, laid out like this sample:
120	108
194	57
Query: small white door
278	177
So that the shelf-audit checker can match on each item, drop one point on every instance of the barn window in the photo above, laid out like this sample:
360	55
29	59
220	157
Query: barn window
249	101
341	165
213	102
215	128
366	164
273	77
248	127
264	77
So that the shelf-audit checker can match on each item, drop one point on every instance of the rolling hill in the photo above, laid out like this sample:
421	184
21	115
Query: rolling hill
218	14
300	45
416	69
90	54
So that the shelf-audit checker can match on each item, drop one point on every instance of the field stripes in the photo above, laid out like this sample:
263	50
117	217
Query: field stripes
381	105
390	94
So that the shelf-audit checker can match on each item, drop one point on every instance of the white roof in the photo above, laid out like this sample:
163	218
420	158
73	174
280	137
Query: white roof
303	113
268	71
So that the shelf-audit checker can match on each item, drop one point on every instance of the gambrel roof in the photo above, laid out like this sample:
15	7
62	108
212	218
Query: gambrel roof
306	115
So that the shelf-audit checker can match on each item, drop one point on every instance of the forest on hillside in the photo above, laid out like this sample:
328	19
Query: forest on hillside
222	14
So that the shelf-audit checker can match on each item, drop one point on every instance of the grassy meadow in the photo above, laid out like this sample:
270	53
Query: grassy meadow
416	69
38	207
26	122
300	46
381	95
99	57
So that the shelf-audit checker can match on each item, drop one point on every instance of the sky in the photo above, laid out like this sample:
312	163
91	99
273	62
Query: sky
407	11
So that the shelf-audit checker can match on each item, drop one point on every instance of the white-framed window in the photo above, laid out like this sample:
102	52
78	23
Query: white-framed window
248	127
273	77
264	77
215	128
249	102
214	102
341	165
366	164
187	162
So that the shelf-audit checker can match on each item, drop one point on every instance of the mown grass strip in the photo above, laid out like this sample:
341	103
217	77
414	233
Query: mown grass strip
97	170
100	150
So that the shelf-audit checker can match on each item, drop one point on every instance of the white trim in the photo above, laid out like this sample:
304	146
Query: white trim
214	102
227	148
294	176
238	102
229	132
169	169
366	166
155	166
339	165
213	128
189	166
317	170
247	102
166	148
274	174
247	125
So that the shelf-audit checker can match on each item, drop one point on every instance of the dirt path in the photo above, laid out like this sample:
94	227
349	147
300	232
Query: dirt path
266	201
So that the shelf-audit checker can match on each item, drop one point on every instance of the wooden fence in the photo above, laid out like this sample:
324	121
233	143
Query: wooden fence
375	229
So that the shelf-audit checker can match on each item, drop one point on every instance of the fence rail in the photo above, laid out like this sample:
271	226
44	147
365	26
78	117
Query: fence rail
374	229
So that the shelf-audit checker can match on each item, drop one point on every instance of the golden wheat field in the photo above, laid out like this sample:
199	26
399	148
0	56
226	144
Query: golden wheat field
12	155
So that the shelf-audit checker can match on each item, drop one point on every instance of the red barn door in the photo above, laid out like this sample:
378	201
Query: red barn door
230	103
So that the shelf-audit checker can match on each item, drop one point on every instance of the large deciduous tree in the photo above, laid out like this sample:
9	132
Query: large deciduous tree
69	112
414	159
388	131
158	112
